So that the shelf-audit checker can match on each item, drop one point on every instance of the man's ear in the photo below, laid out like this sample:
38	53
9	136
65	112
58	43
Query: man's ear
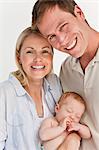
57	108
78	12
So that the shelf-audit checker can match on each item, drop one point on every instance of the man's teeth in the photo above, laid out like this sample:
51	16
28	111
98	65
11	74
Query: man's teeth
72	44
37	67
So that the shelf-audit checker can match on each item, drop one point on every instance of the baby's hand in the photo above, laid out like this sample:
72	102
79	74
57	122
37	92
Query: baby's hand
68	121
73	126
63	124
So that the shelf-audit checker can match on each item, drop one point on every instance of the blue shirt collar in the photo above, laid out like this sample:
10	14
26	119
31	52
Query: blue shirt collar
20	89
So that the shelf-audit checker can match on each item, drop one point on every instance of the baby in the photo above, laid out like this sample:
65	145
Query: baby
69	110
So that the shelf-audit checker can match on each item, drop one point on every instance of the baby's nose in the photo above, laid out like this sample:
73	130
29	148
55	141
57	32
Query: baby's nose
72	117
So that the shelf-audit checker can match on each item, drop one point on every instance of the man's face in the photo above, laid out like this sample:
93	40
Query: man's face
64	31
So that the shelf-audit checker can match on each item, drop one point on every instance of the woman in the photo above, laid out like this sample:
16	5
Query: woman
29	95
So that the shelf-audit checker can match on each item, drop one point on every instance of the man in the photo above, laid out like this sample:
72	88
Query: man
63	23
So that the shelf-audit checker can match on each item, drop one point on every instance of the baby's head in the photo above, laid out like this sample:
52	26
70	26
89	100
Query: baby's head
70	105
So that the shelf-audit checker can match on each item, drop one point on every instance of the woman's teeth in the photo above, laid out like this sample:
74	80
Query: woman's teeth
37	67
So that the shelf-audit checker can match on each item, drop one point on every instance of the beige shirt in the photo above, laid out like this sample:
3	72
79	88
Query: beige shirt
87	85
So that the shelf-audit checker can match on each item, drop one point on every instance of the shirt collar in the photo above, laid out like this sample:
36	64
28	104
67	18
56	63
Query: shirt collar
96	58
17	85
76	65
19	88
47	86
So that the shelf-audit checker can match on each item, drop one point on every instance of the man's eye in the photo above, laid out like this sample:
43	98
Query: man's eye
52	38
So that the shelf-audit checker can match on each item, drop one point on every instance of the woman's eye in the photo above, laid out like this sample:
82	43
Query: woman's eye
45	51
30	52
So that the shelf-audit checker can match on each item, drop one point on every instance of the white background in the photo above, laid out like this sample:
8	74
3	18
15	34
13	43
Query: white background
15	15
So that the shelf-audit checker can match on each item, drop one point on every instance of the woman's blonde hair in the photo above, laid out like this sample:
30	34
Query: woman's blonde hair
20	74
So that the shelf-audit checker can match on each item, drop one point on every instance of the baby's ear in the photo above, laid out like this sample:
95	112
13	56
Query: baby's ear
56	107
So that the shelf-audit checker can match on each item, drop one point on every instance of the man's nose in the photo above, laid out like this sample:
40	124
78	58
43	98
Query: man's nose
61	37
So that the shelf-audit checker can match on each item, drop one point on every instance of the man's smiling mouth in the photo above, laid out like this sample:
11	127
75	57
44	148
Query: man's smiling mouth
72	45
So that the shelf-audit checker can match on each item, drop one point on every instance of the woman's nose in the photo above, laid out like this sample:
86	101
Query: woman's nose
37	57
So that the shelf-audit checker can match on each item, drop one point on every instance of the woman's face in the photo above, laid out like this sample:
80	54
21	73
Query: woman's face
36	57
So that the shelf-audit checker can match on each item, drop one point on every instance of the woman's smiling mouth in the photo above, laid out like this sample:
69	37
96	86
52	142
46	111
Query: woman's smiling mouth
38	67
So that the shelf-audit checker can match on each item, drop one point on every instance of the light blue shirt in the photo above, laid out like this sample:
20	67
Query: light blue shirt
18	112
